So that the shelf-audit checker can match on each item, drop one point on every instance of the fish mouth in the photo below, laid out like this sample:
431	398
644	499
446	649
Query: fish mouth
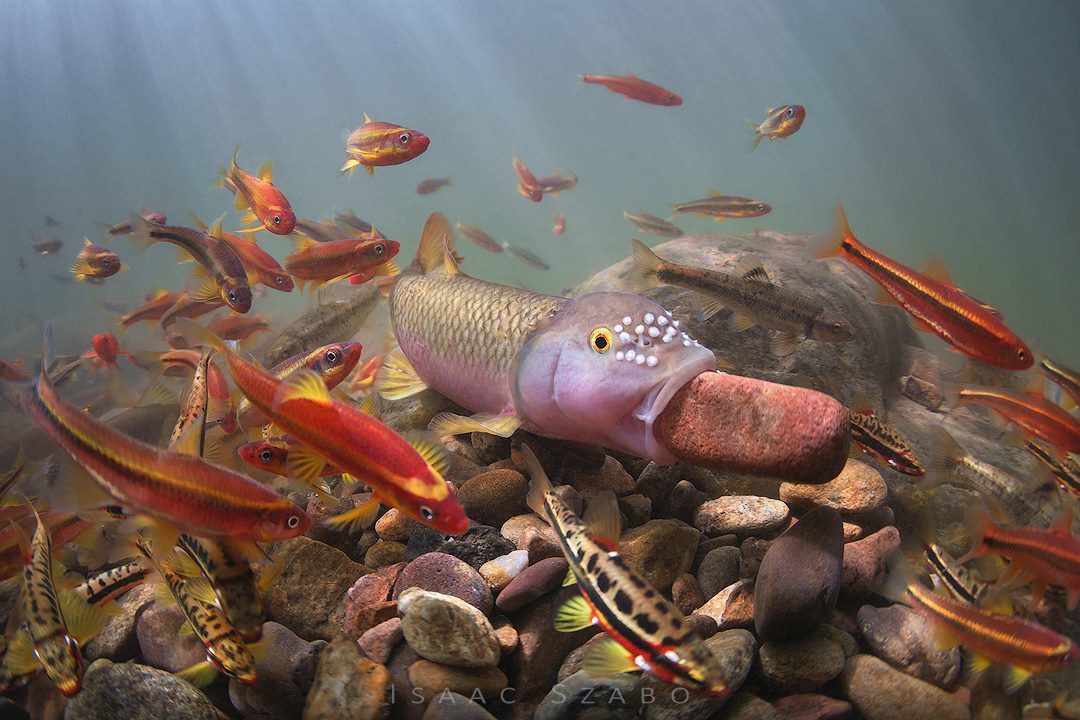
653	404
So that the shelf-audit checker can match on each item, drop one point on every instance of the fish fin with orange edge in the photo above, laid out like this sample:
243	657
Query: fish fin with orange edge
447	423
539	484
934	268
608	658
360	516
603	521
573	615
266	172
1016	678
397	379
833	246
304	464
304	384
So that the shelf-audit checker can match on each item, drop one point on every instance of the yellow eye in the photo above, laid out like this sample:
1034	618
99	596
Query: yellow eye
600	340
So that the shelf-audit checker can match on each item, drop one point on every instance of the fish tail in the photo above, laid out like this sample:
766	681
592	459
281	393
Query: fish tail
436	239
978	525
945	455
647	265
141	232
895	582
834	245
196	334
757	135
539	484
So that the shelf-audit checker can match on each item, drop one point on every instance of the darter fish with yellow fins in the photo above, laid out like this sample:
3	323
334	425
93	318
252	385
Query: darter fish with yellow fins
646	631
599	368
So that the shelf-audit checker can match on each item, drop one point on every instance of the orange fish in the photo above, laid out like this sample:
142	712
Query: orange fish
13	372
328	262
635	88
364	377
173	492
1044	556
156	306
267	207
377	144
272	455
104	350
340	434
239	327
260	265
528	185
780	122
220	403
560	224
95	263
937	305
1036	416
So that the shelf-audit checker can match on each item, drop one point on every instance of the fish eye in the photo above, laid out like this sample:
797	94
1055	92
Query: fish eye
279	280
232	296
838	327
293	521
1021	354
277	219
760	207
404	138
426	512
106	262
600	340
379	249
331	356
790	112
266	456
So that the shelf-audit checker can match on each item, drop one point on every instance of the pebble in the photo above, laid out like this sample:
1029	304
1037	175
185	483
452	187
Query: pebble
708	544
430	679
880	692
740	515
734	649
581	695
445	574
656	481
801	665
270	697
489	448
659	551
506	634
859	488
746	706
752	551
137	692
904	639
845	640
532	534
571	498
476	546
379	642
493	497
637	508
161	643
718	569
311	588
447	629
576	658
682	502
347	686
451	706
799	578
732	607
344	539
384	553
366	600
531	583
288	656
687	594
990	700
610	476
499	572
865	562
813	707
117	640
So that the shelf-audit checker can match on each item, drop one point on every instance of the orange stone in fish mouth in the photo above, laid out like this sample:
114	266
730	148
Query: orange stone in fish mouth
740	424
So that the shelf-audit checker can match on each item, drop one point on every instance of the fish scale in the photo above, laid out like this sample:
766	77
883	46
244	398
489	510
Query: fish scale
459	325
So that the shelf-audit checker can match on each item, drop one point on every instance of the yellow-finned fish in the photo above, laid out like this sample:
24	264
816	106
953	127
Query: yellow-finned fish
233	580
646	631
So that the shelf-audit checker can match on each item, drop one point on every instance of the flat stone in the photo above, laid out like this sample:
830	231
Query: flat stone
117	641
740	515
446	629
137	692
384	553
904	639
865	562
637	509
506	634
474	547
366	600
582	695
746	706
493	497
431	679
533	582
718	569
445	574
799	578
813	707
659	551
880	692
682	502
801	665
858	488
379	642
161	643
732	607
532	534
347	686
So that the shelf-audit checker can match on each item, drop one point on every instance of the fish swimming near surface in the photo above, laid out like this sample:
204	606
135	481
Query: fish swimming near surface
378	144
480	238
933	300
882	442
599	368
653	225
1034	415
721	207
218	269
328	262
1043	556
260	265
646	631
1023	646
330	321
266	207
430	185
95	262
780	122
172	492
635	88
752	297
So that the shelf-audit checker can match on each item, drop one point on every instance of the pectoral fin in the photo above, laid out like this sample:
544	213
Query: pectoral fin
451	424
397	378
573	615
609	658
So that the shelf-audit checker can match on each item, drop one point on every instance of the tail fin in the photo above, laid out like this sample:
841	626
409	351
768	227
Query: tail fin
539	484
647	265
757	135
895	583
833	246
436	239
979	523
945	455
141	232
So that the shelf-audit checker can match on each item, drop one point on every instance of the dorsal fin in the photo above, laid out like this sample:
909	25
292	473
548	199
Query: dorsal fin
366	118
301	242
713	192
215	229
934	268
86	242
266	172
303	384
750	268
450	260
863	404
199	223
603	521
435	238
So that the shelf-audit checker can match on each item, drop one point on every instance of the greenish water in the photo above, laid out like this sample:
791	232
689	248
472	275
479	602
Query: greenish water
946	127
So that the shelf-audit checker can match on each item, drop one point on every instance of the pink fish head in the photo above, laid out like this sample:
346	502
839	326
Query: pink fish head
602	370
